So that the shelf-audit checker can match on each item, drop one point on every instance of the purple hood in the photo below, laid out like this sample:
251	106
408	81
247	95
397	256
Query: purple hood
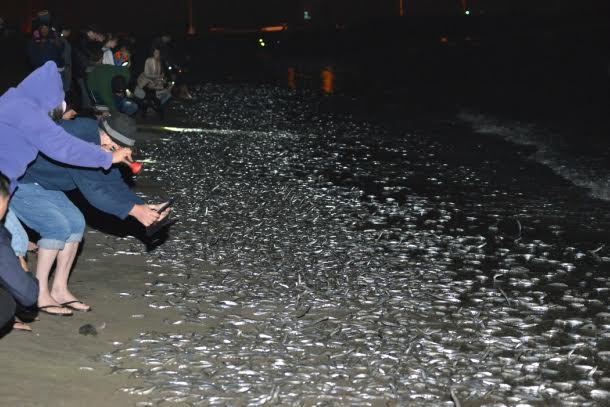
26	128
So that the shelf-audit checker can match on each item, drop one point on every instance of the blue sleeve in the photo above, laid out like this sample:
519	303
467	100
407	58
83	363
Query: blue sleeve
106	191
56	143
22	286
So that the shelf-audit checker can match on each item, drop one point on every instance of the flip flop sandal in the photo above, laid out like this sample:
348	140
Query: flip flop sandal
69	305
44	309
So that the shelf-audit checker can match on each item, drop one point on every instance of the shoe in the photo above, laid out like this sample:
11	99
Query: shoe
70	306
45	308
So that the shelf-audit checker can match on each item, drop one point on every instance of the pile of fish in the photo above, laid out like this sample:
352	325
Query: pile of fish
321	260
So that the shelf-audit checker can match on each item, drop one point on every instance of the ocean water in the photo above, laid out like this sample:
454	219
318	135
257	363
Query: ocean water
589	169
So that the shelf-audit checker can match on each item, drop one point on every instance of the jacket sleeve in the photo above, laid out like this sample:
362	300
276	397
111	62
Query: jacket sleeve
56	143
22	286
108	58
106	191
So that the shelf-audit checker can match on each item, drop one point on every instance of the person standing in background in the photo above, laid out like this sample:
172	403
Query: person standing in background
45	46
66	75
90	38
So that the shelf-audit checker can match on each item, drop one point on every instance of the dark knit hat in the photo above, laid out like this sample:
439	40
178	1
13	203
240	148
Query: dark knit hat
120	128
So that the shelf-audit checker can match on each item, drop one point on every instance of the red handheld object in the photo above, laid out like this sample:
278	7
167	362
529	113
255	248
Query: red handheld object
135	167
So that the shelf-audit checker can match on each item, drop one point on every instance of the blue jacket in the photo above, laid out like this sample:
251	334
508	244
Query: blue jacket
22	286
104	189
41	51
26	128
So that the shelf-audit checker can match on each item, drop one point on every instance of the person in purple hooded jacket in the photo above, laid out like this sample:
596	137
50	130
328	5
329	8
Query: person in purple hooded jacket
27	129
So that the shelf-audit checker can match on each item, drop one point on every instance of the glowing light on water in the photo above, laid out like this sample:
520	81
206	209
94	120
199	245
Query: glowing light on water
182	129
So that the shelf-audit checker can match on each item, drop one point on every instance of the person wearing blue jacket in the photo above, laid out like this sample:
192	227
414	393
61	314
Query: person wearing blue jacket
27	129
45	46
41	204
15	284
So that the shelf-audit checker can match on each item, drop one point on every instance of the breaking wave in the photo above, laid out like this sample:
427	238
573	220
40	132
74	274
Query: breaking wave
589	172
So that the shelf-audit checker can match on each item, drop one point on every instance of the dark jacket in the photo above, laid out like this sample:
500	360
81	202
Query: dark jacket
22	286
106	190
99	83
80	58
44	50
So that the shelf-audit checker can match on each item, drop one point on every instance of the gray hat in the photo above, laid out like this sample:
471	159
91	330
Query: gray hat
120	128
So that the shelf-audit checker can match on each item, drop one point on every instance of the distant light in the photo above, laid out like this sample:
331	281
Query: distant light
467	12
306	15
261	40
263	44
273	28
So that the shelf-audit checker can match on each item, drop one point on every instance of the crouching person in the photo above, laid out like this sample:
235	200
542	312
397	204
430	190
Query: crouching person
16	286
41	204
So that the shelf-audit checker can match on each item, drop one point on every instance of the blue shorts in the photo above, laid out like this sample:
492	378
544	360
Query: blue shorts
19	240
50	213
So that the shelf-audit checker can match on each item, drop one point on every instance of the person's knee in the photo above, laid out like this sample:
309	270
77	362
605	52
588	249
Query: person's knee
56	234
77	224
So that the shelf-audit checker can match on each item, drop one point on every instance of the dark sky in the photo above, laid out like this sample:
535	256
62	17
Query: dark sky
137	15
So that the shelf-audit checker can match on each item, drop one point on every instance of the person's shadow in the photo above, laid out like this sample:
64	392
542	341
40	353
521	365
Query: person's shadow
109	224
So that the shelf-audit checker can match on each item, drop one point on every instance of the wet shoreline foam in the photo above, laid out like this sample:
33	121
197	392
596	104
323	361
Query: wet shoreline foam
590	172
349	266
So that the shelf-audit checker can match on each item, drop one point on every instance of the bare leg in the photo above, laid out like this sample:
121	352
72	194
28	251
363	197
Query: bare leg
46	258
60	291
24	264
19	325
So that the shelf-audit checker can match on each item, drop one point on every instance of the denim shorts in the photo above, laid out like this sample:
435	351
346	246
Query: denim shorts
19	239
50	213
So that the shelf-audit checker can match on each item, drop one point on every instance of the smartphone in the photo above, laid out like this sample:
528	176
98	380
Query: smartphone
165	205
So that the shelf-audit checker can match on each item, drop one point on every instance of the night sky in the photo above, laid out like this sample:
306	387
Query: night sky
141	16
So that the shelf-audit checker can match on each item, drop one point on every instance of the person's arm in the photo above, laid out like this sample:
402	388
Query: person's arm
106	191
108	58
22	286
56	143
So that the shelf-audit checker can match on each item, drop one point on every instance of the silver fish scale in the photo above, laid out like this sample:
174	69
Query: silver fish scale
323	260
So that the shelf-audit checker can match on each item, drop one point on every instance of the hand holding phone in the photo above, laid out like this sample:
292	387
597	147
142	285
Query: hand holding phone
166	205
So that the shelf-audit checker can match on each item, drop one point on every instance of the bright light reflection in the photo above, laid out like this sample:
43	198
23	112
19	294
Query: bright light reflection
183	129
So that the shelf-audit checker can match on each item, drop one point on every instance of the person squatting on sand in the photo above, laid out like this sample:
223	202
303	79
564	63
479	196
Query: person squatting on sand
40	203
16	286
26	129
